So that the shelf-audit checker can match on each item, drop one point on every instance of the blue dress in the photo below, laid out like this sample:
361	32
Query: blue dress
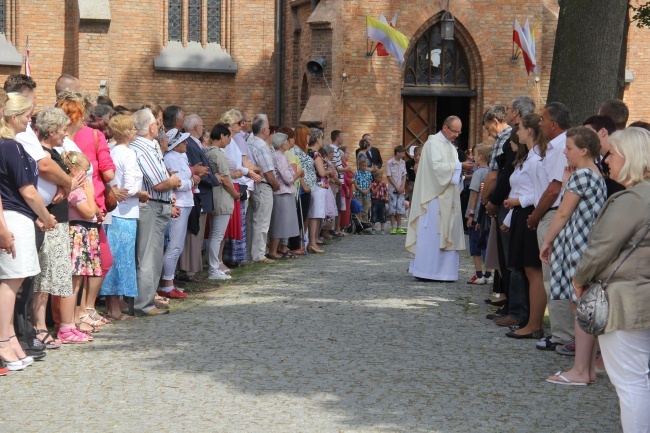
121	279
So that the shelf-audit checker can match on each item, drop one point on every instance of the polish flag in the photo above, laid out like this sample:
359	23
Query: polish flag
381	50
519	37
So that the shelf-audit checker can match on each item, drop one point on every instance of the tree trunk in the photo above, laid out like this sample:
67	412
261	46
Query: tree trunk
589	55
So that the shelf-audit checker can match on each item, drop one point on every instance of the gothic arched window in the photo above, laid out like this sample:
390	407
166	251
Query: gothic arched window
435	62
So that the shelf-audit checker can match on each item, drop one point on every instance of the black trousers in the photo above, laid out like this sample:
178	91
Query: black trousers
305	201
24	300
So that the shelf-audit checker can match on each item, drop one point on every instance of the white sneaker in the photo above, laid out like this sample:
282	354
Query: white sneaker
489	280
219	275
476	280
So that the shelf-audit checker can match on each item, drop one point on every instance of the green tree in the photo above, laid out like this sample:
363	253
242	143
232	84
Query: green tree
641	15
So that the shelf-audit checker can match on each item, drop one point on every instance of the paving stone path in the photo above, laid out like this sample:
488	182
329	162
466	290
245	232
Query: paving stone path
341	342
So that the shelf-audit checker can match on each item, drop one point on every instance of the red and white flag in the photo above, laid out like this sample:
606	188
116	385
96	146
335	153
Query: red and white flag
519	37
381	49
28	68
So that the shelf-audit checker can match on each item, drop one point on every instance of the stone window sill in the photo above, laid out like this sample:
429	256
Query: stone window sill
195	58
9	56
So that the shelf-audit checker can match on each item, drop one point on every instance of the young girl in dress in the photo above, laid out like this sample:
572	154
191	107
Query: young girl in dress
331	211
84	238
585	193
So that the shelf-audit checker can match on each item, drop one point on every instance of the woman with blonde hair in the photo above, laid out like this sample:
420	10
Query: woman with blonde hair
22	206
121	279
622	223
234	250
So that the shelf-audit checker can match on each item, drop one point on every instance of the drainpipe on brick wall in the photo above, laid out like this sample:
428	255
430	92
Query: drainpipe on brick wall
279	55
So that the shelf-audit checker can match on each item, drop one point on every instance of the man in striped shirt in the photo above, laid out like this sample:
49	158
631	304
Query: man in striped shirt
260	205
154	215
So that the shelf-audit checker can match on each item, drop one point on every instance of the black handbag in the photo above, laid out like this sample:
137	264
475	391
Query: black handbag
593	309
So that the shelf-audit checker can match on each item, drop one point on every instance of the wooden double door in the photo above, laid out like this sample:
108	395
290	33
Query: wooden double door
424	116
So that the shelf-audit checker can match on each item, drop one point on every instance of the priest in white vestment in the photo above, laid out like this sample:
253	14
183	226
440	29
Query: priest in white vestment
435	232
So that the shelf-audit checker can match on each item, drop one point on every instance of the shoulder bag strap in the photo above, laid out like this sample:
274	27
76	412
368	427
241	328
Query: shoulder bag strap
636	244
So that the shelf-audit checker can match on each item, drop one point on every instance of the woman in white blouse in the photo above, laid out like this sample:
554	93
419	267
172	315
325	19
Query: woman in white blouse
176	161
523	253
121	279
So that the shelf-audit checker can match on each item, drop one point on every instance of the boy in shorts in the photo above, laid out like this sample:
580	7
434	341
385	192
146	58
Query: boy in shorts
476	244
396	174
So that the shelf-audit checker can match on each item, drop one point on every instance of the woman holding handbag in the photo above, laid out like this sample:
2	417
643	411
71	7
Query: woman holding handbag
622	224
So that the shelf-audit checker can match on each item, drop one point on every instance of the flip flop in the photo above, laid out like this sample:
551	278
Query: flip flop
565	381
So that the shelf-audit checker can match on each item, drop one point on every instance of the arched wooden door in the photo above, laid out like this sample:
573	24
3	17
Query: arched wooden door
436	85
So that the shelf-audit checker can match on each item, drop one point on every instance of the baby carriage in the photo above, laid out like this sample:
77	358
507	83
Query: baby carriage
357	226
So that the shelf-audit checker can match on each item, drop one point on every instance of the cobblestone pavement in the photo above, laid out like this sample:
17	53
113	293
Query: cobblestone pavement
341	342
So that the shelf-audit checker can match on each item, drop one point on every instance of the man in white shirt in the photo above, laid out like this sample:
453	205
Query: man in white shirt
556	119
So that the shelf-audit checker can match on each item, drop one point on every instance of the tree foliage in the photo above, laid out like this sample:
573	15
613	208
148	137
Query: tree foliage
641	15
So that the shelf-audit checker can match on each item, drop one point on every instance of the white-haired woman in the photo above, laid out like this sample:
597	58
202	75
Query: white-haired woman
22	206
54	256
284	219
625	345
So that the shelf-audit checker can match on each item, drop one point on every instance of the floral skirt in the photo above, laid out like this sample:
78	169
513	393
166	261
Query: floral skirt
54	257
84	242
121	279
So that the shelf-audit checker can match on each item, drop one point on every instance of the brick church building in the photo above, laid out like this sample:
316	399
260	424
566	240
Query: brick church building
212	55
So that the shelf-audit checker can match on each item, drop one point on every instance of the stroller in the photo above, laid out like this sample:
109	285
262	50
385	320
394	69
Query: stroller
357	226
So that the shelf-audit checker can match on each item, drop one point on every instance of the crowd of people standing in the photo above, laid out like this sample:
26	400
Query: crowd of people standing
553	207
103	201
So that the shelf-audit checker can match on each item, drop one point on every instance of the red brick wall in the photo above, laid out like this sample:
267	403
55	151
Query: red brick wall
368	100
371	99
123	54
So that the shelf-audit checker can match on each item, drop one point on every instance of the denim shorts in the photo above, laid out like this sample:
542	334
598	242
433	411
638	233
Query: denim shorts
474	240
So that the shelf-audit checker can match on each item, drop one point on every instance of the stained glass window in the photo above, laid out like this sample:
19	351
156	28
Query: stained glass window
174	20
194	20
434	62
214	21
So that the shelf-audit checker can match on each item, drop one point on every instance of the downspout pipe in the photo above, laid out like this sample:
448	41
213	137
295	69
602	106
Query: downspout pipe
279	60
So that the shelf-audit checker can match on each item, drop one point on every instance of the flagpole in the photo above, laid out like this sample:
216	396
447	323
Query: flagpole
27	67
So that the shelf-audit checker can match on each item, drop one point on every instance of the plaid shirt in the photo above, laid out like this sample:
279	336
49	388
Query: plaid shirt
363	178
260	154
497	150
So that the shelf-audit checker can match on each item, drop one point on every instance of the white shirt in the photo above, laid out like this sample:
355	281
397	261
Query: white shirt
127	175
178	162
31	144
522	180
233	153
552	166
